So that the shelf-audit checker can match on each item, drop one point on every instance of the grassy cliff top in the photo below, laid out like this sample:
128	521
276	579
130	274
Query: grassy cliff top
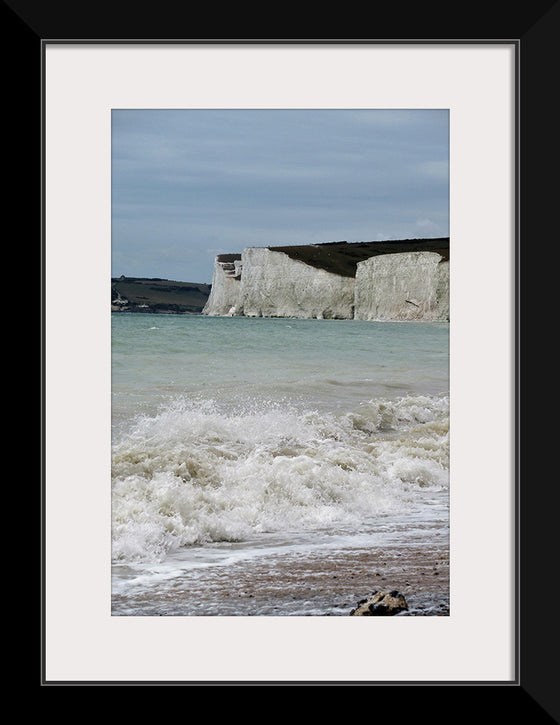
342	257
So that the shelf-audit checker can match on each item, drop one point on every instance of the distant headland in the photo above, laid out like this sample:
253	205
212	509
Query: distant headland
156	295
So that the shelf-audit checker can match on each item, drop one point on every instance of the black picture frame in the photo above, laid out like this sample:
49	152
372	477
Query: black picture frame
27	27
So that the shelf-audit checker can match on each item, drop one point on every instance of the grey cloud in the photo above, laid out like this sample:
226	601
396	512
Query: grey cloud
193	181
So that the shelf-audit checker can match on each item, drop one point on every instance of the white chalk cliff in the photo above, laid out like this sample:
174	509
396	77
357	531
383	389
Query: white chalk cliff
225	293
274	285
263	282
402	286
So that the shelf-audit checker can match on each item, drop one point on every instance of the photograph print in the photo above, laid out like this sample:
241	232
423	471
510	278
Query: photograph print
280	362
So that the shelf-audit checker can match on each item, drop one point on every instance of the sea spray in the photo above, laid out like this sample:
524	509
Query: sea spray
198	471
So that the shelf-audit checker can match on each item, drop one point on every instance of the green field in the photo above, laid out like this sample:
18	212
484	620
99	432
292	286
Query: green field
342	257
158	295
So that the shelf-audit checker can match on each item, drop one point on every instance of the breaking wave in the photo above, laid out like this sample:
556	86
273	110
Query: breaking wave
197	473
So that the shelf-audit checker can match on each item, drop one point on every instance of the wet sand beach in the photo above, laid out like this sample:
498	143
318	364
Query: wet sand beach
328	583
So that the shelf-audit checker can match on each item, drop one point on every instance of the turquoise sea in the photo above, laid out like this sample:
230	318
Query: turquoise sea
253	456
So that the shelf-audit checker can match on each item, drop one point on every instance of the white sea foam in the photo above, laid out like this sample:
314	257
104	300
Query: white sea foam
198	472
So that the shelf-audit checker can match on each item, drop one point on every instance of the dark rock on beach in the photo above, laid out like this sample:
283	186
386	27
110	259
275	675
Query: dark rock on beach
380	604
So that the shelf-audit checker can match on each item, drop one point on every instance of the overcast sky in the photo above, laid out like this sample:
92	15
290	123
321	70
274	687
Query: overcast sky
190	184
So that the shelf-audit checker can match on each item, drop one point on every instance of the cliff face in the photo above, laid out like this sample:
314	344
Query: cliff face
274	285
225	294
374	282
404	286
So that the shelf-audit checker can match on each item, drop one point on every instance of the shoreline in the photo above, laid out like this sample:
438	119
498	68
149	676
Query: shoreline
321	583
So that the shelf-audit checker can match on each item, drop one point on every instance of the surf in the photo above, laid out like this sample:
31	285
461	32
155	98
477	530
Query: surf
199	472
